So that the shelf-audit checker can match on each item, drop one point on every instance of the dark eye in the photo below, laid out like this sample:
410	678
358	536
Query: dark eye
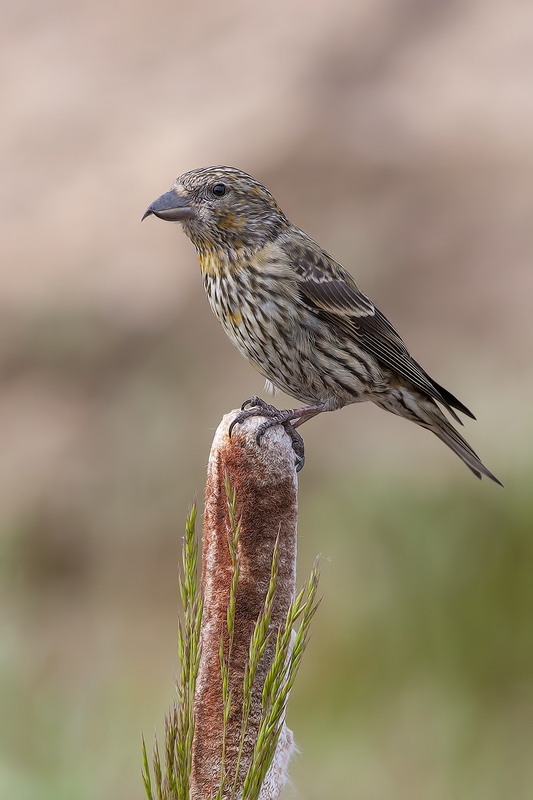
219	189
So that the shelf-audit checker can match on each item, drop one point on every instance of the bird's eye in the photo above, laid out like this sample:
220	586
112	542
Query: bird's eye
219	189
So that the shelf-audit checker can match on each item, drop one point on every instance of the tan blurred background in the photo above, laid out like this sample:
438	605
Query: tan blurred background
399	134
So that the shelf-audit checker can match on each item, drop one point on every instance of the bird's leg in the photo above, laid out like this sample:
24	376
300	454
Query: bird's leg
289	418
306	413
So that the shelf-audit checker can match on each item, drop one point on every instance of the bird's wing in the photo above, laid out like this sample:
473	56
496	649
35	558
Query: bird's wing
333	294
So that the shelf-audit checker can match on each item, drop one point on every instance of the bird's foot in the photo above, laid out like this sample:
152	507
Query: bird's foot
256	407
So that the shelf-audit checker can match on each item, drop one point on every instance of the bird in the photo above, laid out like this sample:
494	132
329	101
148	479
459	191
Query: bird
298	316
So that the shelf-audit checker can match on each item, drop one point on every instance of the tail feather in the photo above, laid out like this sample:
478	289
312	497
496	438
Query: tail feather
461	447
451	401
425	412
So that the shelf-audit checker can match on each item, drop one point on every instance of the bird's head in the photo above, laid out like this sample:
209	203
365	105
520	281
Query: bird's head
221	208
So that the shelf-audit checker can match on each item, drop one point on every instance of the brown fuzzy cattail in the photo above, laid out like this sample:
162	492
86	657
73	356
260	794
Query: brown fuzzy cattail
265	485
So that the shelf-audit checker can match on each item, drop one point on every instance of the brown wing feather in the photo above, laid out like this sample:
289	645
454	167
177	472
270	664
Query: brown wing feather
335	296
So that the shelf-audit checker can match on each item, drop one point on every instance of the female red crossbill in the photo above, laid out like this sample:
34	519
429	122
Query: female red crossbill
297	315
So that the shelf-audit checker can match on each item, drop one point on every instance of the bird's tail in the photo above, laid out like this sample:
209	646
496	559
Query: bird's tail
425	412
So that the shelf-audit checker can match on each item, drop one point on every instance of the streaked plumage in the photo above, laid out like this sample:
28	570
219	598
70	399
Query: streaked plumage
295	313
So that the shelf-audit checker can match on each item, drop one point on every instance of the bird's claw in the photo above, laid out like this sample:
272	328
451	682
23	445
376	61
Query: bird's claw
258	402
256	407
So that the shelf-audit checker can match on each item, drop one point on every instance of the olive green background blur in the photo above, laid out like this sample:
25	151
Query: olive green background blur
397	133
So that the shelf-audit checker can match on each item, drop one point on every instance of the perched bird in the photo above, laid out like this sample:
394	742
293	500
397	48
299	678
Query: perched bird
297	315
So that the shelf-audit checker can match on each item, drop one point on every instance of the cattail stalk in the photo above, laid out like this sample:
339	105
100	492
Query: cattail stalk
226	739
250	541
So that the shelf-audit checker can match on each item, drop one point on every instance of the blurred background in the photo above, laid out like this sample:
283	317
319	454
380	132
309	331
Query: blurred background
397	133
